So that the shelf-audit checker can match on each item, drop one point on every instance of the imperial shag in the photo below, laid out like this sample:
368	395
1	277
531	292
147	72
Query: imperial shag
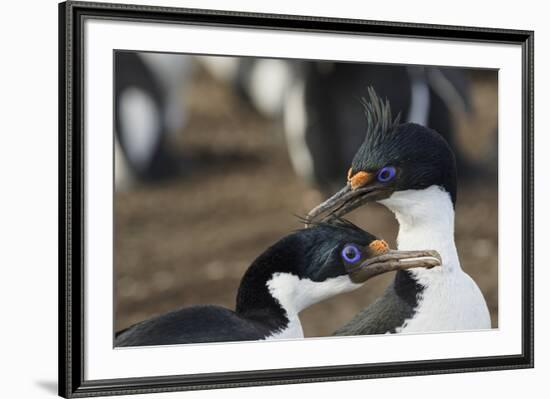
298	271
411	170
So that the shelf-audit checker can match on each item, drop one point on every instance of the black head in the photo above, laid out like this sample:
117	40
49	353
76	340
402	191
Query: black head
314	253
326	251
393	157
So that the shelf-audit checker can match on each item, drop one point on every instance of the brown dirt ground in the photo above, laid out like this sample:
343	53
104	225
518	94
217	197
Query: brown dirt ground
189	240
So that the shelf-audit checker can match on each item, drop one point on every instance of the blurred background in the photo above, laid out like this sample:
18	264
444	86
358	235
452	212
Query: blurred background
215	157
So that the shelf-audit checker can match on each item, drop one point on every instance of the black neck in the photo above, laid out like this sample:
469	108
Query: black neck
254	301
407	287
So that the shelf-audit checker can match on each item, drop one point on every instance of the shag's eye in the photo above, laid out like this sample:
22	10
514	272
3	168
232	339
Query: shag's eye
350	253
386	174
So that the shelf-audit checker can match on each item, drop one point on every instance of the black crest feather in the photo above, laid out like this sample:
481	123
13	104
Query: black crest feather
381	128
336	223
379	116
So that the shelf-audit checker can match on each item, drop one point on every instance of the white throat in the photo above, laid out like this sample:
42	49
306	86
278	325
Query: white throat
426	221
295	294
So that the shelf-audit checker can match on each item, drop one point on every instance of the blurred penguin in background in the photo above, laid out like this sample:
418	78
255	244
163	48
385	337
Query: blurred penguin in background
149	108
262	83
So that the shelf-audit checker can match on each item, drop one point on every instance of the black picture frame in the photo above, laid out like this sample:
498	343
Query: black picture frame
71	200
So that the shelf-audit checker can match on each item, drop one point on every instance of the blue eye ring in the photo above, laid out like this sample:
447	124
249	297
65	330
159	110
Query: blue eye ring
386	174
351	253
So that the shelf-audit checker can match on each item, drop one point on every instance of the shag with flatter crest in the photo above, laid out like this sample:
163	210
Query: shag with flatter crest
301	269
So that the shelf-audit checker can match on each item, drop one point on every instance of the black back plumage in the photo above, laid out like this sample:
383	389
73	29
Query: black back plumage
195	324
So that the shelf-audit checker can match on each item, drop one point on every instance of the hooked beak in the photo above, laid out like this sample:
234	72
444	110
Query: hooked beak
346	200
393	260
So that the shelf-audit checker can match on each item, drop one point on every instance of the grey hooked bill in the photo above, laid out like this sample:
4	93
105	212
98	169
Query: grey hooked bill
393	260
345	201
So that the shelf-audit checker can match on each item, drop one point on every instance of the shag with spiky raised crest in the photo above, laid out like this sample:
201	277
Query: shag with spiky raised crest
411	170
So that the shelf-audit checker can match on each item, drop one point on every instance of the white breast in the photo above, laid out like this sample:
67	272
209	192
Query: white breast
451	300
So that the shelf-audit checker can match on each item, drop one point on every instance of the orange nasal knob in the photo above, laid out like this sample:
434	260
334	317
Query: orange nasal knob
359	179
379	247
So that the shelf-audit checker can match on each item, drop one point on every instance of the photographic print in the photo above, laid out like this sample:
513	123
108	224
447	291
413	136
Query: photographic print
221	164
251	199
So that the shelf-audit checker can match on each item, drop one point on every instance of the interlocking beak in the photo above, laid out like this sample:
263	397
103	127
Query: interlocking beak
382	260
